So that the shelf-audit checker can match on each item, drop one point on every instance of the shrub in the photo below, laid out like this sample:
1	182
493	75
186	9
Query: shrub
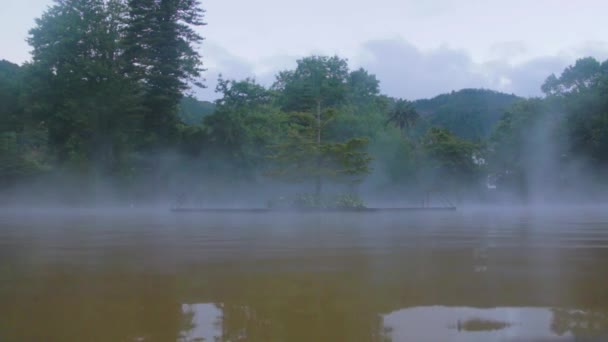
312	201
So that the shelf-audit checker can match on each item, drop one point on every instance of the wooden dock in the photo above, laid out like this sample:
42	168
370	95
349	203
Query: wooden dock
308	210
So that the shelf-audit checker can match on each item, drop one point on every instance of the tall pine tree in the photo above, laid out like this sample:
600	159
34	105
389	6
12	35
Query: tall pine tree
160	46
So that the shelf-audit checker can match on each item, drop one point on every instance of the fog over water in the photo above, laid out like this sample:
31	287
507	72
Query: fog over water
472	275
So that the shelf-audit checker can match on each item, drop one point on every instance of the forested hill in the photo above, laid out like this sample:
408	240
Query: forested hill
469	113
192	111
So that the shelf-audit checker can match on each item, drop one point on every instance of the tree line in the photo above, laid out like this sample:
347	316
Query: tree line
105	96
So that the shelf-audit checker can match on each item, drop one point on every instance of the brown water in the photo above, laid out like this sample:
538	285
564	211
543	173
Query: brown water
483	275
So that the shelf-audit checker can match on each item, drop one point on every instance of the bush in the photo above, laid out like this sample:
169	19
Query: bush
312	201
349	201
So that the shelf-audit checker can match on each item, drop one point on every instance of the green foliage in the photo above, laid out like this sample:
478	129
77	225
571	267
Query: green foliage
349	201
313	94
314	201
105	92
363	87
403	160
238	135
300	158
580	92
76	59
509	141
363	112
22	145
581	76
10	91
317	81
403	115
107	76
160	52
18	160
452	159
348	161
192	111
469	113
565	130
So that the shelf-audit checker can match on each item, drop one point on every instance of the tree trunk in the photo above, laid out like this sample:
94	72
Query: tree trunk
319	181
319	123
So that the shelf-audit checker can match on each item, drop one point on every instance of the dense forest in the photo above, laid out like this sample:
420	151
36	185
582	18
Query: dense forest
103	109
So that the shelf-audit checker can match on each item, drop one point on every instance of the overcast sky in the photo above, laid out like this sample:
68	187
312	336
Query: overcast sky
417	48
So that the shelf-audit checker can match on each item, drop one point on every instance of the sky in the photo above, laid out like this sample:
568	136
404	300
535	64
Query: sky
416	48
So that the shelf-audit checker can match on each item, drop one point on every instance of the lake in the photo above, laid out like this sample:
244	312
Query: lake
152	275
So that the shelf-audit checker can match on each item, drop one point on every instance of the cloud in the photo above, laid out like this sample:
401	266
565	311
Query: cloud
598	49
526	78
408	72
217	60
268	67
508	50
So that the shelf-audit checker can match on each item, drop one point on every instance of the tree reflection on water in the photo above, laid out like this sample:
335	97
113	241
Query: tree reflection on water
580	323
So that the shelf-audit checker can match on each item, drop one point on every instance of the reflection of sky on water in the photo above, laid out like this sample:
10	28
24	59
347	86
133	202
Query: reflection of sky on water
206	322
432	323
439	323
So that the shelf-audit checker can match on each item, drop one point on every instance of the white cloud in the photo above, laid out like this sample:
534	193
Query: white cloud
406	71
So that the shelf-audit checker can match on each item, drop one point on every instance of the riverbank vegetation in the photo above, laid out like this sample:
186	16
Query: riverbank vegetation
104	104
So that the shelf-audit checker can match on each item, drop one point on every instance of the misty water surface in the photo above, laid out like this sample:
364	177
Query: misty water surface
479	275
